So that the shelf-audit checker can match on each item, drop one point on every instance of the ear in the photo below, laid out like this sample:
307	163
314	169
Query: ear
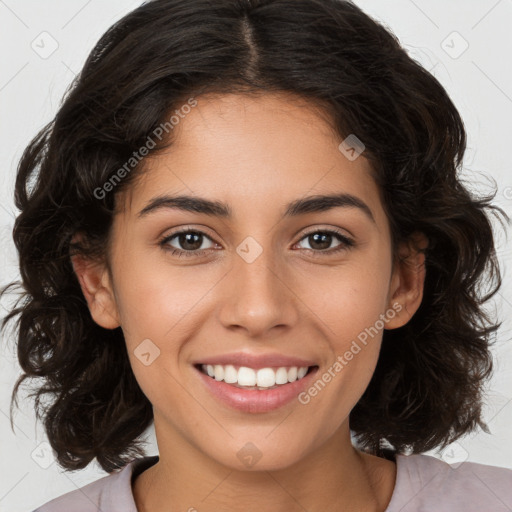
96	285
408	279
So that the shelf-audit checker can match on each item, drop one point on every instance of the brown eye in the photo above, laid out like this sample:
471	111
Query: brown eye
187	243
321	241
190	241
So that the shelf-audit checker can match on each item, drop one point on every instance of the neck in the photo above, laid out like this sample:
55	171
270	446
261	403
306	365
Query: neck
335	477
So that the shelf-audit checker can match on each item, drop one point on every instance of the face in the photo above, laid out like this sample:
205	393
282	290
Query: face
315	283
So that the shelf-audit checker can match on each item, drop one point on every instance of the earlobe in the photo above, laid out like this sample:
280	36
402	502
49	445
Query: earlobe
408	279
96	286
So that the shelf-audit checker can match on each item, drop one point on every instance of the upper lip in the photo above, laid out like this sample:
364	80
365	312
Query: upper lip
256	361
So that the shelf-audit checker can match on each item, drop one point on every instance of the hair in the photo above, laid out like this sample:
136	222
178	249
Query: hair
427	387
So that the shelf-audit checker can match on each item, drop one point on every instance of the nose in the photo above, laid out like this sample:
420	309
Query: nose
259	296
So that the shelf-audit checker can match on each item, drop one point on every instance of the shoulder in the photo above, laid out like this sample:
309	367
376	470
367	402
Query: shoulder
429	484
112	493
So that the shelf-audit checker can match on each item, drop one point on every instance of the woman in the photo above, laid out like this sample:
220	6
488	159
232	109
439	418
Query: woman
245	225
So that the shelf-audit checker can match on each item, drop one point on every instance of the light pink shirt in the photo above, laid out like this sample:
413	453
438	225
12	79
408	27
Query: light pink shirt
423	484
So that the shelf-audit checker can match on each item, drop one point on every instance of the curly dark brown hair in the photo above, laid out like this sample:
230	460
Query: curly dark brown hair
427	389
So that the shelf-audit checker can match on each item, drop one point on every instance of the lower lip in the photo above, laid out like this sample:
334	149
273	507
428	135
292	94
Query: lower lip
254	400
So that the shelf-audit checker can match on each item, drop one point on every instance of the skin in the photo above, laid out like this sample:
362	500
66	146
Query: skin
257	154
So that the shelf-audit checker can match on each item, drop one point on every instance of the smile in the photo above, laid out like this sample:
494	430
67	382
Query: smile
250	378
255	390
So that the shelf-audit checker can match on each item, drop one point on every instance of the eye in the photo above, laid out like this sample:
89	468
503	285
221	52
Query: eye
189	242
320	240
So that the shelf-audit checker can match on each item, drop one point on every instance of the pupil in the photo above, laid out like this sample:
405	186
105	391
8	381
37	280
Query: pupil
323	239
186	240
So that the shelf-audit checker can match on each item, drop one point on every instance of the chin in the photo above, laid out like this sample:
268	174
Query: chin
254	456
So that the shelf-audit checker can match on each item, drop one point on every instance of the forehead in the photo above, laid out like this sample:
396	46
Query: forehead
254	152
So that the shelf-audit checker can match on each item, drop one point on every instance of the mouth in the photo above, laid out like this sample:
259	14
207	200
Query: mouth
255	390
262	379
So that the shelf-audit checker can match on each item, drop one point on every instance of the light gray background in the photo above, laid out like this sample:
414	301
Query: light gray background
33	79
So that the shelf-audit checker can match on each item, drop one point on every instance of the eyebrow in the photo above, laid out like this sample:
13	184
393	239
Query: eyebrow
311	204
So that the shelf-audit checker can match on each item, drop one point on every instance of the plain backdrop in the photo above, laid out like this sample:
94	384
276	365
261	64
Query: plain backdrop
43	44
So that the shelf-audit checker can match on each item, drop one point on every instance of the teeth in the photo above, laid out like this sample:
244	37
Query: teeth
281	376
301	372
219	372
248	377
230	374
265	377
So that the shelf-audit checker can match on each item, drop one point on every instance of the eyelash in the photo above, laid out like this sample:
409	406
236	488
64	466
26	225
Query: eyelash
346	243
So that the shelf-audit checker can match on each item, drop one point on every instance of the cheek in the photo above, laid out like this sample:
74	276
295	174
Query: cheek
153	299
350	300
350	304
152	305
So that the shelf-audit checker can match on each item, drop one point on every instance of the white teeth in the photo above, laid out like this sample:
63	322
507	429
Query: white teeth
266	377
219	372
292	374
282	375
261	378
230	374
246	376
